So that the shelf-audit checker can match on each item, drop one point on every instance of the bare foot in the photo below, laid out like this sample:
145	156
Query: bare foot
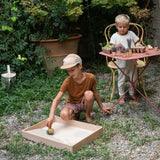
75	116
122	101
134	97
88	118
133	103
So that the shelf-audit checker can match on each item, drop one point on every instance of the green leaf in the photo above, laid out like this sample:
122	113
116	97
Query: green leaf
4	28
10	29
13	19
14	9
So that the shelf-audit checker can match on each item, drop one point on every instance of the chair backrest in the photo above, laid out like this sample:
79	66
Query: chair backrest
138	30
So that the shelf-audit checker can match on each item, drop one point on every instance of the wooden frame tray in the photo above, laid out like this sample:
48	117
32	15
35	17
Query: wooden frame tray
69	135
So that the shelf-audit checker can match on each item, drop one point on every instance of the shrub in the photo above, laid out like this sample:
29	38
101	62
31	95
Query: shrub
14	43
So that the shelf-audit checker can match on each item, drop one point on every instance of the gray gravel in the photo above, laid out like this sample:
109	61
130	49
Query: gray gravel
120	148
119	145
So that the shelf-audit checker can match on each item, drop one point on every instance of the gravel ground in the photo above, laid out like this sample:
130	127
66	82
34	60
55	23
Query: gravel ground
120	147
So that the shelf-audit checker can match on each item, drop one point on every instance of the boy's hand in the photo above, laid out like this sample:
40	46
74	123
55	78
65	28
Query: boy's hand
138	44
119	44
50	121
107	109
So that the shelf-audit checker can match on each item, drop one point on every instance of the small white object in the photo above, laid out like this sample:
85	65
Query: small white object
8	76
8	69
149	46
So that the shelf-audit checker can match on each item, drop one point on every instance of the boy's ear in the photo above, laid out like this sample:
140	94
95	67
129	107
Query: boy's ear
80	66
116	25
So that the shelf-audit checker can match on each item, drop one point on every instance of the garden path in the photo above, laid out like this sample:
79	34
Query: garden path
133	131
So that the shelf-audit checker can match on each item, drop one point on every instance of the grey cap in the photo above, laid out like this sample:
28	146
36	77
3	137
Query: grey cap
71	60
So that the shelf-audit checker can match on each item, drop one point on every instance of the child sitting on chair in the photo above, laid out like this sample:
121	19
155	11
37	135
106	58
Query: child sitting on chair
121	38
81	88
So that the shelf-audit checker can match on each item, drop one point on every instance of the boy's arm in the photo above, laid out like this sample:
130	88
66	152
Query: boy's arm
113	41
138	43
55	102
97	97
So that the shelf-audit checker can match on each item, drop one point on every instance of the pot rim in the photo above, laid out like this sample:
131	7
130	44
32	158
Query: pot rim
56	40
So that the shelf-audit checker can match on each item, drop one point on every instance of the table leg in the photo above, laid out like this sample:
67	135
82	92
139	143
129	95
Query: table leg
133	82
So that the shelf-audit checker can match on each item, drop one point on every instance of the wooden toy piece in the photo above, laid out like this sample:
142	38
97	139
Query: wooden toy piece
130	52
114	53
156	48
137	49
106	50
50	131
134	50
149	46
127	52
155	45
142	49
123	54
114	50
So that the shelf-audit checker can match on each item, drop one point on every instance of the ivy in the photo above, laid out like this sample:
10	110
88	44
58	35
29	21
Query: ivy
23	20
14	35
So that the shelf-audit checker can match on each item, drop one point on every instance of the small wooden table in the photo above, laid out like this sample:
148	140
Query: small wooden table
148	53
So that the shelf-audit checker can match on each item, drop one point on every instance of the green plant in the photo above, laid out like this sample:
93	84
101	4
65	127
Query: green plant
151	121
51	19
139	141
54	19
23	96
104	12
23	20
14	43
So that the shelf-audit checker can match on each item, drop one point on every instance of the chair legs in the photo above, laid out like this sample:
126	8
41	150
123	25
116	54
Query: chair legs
142	84
112	83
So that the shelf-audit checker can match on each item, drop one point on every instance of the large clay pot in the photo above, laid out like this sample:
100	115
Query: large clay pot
56	51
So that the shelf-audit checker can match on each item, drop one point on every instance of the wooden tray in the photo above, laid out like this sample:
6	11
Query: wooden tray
69	135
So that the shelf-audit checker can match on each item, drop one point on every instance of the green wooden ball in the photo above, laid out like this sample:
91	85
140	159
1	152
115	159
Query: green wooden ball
50	131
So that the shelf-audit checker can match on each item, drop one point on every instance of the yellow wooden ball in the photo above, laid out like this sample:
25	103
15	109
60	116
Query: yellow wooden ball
50	131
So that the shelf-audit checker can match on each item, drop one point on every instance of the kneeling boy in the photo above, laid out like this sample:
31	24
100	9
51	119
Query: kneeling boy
81	88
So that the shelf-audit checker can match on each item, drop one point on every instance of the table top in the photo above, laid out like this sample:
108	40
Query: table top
147	53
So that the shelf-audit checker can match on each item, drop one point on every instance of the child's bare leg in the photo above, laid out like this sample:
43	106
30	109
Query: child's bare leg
121	82
88	102
132	94
122	101
66	113
134	97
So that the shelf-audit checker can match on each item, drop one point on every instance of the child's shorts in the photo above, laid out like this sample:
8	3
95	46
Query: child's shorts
76	107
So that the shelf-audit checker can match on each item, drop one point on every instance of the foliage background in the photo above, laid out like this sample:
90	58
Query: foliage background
28	101
17	26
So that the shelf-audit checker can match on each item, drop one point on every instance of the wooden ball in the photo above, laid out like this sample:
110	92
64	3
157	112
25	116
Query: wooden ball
50	131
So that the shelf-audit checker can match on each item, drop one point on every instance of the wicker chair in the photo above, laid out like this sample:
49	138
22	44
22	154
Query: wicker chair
138	29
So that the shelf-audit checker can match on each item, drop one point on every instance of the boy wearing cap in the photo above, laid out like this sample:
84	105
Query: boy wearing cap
81	88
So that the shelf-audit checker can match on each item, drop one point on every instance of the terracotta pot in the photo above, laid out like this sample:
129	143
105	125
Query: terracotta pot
56	51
